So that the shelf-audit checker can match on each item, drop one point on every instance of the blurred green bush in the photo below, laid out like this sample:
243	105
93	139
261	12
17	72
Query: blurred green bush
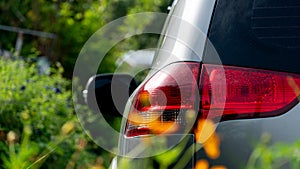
38	126
279	155
73	22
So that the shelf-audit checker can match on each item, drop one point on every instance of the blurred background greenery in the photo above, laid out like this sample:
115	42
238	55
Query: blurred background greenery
72	22
38	125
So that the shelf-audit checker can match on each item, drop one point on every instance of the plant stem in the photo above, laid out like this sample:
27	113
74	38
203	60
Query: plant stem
41	158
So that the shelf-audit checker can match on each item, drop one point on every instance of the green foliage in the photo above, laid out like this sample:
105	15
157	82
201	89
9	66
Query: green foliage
38	126
28	96
73	22
34	107
275	156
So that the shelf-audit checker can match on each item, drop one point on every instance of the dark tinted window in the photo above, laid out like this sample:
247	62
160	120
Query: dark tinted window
257	33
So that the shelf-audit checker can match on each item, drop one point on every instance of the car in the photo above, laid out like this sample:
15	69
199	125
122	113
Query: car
233	64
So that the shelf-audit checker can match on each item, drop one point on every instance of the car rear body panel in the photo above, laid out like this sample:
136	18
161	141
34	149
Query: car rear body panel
185	32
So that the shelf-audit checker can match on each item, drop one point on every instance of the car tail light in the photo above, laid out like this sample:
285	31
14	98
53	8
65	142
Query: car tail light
246	93
161	104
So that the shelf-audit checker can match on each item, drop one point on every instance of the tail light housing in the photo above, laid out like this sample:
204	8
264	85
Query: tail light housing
164	102
161	103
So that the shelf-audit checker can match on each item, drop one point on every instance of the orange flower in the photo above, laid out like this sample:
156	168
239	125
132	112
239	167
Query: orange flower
211	147
205	134
205	129
218	167
137	119
202	164
153	123
163	127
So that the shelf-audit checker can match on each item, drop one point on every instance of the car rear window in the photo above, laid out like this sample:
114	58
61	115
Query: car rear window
256	33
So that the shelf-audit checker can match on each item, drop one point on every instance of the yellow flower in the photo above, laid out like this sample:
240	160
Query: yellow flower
67	127
202	164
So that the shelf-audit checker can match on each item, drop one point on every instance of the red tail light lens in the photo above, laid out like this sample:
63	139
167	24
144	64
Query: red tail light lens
226	92
235	92
160	104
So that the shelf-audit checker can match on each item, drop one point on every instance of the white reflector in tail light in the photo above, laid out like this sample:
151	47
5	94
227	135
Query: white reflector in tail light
249	93
161	104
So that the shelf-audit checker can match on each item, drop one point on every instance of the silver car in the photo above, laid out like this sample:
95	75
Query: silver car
227	65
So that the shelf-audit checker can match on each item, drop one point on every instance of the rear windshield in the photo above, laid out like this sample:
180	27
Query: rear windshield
257	33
